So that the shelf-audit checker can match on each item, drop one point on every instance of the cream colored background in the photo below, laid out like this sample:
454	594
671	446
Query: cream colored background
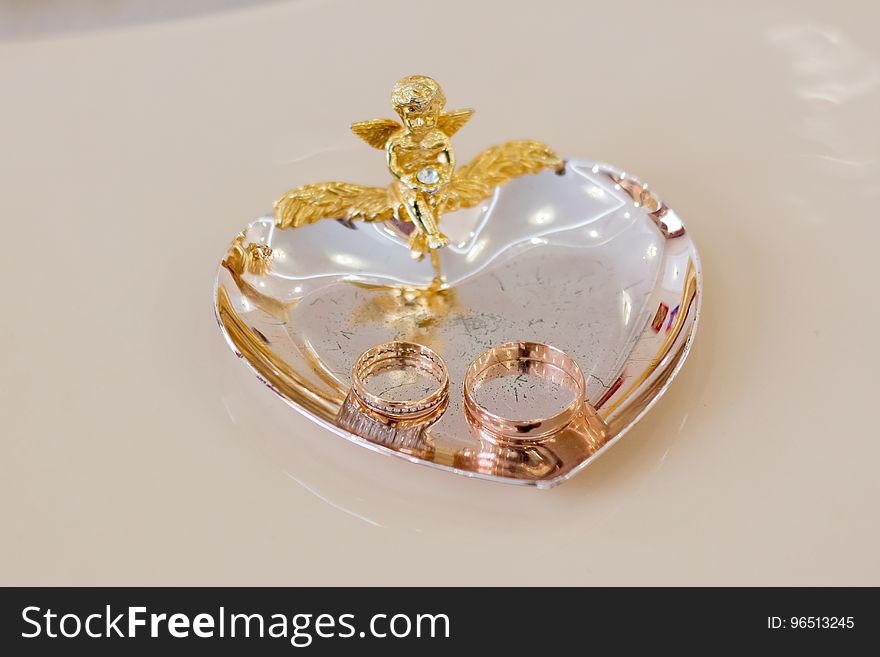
136	450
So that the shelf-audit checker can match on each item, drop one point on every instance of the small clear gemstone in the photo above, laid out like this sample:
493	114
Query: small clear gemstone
428	175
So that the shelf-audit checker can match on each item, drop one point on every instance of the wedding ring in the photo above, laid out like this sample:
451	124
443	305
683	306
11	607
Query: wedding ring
535	358
396	356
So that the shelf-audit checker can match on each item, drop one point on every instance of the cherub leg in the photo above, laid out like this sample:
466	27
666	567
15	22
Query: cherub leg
422	215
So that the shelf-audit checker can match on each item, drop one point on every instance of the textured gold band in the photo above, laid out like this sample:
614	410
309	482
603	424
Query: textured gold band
535	358
396	356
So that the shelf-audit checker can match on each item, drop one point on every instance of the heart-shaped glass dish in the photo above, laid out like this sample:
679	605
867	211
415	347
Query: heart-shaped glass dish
588	260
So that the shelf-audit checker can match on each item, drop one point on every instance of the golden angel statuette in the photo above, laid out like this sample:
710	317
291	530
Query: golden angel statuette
420	157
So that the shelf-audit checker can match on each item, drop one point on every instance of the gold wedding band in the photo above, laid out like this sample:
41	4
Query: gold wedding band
536	358
397	356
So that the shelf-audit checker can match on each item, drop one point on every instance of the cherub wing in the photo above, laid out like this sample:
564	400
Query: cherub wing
451	122
476	180
333	200
376	132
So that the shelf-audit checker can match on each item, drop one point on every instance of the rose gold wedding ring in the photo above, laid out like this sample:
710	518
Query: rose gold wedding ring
399	356
542	360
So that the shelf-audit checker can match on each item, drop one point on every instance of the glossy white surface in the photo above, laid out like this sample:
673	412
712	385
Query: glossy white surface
135	450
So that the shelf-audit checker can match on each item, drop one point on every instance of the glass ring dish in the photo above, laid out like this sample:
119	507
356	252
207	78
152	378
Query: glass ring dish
588	259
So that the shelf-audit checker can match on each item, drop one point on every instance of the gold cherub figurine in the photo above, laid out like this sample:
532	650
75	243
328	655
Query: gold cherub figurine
420	157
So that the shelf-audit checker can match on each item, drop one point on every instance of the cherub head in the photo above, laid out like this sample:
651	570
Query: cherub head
418	100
